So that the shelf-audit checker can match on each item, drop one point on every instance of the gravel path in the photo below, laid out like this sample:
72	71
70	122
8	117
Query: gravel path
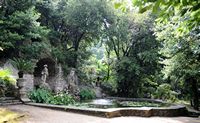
42	115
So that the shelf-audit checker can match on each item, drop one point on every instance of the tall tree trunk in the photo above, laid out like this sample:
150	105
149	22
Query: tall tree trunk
76	48
108	72
108	63
194	93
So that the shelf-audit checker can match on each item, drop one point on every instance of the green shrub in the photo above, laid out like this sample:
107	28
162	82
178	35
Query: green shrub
86	94
7	84
23	65
6	75
40	95
109	88
164	91
62	99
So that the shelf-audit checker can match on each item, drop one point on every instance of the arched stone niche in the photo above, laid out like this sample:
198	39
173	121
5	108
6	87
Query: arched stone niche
55	79
51	70
40	66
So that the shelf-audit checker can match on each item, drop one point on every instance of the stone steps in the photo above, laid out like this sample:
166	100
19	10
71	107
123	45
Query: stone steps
9	101
7	98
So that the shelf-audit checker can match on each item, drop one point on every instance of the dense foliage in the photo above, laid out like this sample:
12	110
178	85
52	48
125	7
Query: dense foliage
152	54
23	65
136	50
61	99
42	95
177	27
7	84
87	94
164	91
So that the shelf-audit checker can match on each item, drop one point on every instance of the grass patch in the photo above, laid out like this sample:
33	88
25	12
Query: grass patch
7	116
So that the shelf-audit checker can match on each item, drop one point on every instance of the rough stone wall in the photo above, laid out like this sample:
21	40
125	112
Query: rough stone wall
50	81
60	83
29	82
37	81
57	83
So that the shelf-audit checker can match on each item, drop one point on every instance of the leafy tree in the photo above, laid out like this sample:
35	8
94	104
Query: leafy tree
187	10
177	26
20	28
8	7
182	57
75	23
136	49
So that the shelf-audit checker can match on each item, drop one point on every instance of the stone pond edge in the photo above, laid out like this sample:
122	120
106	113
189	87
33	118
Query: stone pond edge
171	111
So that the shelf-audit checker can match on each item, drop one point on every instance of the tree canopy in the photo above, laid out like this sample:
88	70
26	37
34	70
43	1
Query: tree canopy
137	48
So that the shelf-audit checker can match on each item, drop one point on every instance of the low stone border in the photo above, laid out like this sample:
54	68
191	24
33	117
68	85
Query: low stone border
136	99
171	111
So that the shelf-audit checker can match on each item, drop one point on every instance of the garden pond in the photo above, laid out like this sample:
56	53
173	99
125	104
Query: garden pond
114	103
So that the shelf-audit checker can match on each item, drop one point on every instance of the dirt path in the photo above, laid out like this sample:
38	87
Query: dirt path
42	115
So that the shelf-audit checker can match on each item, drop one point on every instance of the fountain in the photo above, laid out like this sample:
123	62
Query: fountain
102	102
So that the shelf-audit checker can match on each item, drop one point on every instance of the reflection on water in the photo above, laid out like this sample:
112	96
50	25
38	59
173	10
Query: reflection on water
102	102
109	103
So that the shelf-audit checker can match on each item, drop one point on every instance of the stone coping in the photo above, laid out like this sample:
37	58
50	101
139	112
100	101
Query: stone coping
171	111
136	99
